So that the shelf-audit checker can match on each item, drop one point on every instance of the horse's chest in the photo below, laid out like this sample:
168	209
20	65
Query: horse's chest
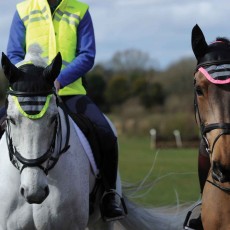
215	208
42	217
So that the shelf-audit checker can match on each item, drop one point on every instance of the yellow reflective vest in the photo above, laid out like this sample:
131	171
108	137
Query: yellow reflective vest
54	33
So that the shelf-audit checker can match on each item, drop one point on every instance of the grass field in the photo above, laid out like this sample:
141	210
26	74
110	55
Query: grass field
176	168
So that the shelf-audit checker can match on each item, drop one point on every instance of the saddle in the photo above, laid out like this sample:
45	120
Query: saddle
89	130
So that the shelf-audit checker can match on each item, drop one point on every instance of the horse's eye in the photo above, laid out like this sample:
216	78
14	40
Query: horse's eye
199	91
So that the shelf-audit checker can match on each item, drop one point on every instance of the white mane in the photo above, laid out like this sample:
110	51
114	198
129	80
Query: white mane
33	56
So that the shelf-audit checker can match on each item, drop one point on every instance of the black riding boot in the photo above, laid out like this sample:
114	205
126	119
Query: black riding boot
203	169
110	207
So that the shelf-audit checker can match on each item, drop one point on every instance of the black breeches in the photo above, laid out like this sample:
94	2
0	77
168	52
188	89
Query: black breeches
108	141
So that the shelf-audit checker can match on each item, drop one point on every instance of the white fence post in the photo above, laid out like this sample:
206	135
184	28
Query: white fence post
178	138
153	133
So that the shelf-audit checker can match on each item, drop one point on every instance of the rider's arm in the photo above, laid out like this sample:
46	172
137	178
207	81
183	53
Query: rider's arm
85	53
16	42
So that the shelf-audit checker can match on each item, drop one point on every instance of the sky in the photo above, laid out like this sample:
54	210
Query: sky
159	28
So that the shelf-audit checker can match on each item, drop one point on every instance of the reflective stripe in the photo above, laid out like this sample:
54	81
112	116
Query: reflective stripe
25	18
32	99
33	12
222	75
218	67
34	108
68	14
67	20
217	71
39	19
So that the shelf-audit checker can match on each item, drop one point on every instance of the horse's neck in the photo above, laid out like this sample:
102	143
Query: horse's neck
215	207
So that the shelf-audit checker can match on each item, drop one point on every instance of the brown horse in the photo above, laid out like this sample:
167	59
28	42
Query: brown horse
212	106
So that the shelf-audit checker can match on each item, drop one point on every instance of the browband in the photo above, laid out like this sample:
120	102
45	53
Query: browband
29	94
208	63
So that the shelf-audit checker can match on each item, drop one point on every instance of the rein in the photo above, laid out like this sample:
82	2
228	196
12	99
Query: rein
225	189
16	157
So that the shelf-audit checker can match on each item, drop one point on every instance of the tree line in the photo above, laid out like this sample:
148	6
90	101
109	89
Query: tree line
130	74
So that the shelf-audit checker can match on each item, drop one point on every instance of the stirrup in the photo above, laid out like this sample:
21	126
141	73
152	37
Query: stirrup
190	215
103	215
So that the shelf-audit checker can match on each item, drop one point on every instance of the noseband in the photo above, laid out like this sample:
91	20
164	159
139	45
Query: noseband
48	158
204	129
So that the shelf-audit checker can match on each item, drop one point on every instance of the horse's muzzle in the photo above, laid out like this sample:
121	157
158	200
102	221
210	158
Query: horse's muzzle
34	198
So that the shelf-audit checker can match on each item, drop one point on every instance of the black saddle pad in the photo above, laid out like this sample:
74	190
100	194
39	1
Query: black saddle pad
89	130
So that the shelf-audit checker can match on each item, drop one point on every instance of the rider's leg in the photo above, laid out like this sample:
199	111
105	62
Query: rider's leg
108	143
203	170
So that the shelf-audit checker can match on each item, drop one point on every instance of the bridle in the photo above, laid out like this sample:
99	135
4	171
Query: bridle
47	160
204	129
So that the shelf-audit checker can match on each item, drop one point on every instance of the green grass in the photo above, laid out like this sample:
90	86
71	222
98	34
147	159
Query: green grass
177	169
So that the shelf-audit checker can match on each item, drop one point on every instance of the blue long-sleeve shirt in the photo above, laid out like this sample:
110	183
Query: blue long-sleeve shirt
85	53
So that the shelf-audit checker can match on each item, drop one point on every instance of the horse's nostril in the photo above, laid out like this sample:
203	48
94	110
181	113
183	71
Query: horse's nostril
22	191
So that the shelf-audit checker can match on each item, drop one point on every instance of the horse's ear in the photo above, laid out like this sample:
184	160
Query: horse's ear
9	69
199	44
52	71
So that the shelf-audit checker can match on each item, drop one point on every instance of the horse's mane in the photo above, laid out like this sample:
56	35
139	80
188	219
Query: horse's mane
33	56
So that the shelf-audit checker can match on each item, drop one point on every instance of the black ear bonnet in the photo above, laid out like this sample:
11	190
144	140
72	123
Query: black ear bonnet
216	52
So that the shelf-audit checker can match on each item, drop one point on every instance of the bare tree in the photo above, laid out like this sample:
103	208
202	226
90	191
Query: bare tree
131	60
